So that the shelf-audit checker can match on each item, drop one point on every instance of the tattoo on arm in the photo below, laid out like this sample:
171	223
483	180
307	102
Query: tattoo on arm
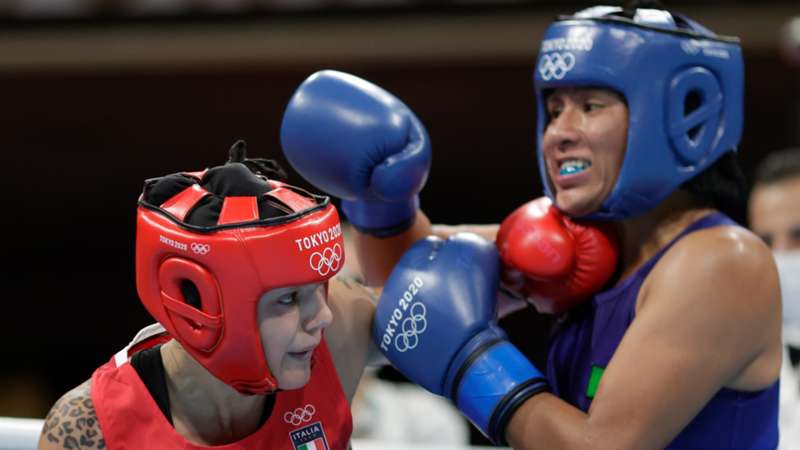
72	422
351	280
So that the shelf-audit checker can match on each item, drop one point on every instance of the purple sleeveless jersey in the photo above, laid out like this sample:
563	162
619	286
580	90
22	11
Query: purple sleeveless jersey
585	343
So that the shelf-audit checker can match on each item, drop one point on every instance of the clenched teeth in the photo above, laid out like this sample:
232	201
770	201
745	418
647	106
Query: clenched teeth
573	166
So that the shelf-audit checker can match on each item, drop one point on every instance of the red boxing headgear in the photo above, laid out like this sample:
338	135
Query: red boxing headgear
230	265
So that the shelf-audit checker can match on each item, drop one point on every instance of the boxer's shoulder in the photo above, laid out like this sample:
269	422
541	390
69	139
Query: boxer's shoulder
718	291
725	266
72	422
720	250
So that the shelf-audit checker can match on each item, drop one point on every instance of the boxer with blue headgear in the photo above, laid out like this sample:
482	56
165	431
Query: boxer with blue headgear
639	115
682	85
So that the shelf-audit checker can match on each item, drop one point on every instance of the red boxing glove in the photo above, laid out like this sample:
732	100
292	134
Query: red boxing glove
555	262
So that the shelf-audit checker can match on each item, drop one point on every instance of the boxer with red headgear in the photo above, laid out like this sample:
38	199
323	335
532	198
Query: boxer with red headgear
256	345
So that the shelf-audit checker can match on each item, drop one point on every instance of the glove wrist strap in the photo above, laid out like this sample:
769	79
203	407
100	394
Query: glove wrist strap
495	385
381	218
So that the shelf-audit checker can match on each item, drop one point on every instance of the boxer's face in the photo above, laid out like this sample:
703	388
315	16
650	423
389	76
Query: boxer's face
774	211
584	145
291	321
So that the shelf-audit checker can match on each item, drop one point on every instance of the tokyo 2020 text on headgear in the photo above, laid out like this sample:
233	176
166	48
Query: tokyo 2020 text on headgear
682	83
210	243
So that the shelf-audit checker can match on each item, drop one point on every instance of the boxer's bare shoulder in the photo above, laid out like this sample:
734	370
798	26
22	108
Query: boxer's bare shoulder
72	422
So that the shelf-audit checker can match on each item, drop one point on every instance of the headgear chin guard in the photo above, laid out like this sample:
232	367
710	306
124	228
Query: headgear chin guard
210	243
682	83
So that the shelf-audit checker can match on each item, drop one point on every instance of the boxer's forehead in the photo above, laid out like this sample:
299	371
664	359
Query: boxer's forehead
582	91
301	289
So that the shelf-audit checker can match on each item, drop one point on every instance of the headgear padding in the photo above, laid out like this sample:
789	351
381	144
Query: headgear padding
664	65
264	235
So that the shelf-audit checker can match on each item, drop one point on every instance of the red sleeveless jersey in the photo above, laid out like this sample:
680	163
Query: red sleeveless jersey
315	417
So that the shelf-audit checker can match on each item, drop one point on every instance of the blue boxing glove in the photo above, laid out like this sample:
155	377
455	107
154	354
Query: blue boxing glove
435	323
353	140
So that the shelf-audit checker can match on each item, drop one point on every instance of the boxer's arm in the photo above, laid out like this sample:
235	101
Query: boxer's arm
348	336
72	422
378	255
381	254
486	231
708	317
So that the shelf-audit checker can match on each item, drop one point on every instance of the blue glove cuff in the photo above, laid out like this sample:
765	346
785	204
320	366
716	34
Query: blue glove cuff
381	218
497	382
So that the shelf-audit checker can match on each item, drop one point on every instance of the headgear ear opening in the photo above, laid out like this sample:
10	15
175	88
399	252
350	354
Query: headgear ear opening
191	297
692	130
190	294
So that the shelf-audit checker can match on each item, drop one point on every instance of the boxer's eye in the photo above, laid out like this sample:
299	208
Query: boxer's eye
553	112
554	106
592	106
288	299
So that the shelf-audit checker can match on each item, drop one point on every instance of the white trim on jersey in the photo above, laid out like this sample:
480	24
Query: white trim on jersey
122	357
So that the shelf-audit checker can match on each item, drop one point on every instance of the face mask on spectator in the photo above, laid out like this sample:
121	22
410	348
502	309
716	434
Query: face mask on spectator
789	271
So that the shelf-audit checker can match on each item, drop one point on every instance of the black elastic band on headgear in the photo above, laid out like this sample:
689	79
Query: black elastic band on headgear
158	190
239	176
261	166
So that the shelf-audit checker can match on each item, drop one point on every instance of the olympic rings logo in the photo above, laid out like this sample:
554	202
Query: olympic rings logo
200	249
411	327
299	415
326	261
556	65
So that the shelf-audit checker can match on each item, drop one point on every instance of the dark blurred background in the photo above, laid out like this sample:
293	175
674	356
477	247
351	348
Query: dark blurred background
98	95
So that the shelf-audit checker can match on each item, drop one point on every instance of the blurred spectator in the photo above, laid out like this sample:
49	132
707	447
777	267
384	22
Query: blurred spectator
789	41
774	214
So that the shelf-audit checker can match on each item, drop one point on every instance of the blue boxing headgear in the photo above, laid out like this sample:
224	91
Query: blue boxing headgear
661	63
